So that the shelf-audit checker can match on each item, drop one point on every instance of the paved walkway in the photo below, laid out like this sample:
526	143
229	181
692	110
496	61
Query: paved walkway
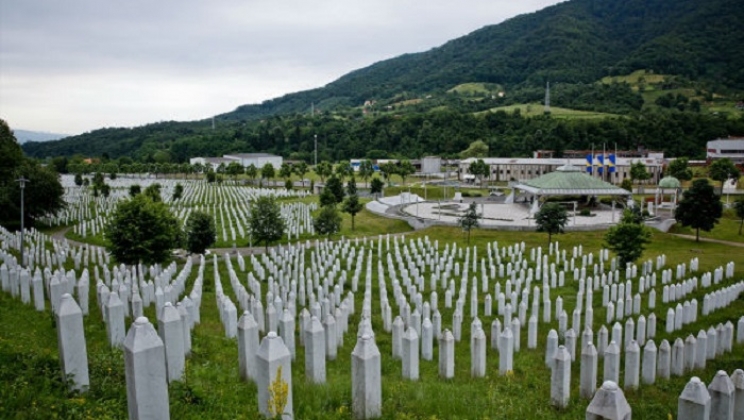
716	241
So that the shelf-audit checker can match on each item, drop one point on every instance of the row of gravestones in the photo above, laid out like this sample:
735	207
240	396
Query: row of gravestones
409	348
723	399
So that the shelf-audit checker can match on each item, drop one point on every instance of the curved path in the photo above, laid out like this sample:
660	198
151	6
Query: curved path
716	241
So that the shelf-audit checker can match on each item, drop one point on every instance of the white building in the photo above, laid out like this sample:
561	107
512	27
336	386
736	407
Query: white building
732	148
245	159
522	169
259	160
213	162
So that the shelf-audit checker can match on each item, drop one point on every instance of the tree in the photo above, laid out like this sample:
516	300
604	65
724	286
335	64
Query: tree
480	169
211	176
551	218
343	169
638	171
252	172
335	186
200	232
366	169
142	230
388	170
323	169
134	189
78	179
327	198
105	190
700	207
477	149
722	170
301	169
404	169
234	169
739	209
352	204
376	186
469	219
285	171
628	239
265	220
153	191
328	221
178	191
268	172
679	169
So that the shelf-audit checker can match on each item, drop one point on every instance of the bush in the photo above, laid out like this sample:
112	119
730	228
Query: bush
585	212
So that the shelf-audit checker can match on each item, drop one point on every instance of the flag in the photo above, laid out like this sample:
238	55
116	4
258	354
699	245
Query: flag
599	164
589	163
611	164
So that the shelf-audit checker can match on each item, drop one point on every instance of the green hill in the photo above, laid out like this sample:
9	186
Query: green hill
695	45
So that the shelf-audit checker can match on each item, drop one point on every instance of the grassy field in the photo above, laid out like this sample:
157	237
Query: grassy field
535	109
30	385
726	230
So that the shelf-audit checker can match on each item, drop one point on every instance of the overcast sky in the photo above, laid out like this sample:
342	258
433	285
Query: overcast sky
77	65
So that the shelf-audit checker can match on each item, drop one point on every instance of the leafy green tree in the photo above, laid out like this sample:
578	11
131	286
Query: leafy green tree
265	220
200	232
78	179
328	221
134	189
327	198
469	219
234	169
60	164
11	155
323	169
343	169
722	170
699	208
679	169
480	169
211	176
252	172
405	169
352	204
98	179
105	190
477	149
221	168
638	171
551	218
627	185
285	171
153	191
301	169
366	169
288	184
178	191
628	239
739	209
351	187
142	230
268	172
388	170
376	186
335	186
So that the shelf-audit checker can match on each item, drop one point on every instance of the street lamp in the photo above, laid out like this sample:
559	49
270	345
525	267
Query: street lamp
22	181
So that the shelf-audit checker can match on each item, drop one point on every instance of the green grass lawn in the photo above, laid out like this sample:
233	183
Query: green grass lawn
727	229
30	385
535	109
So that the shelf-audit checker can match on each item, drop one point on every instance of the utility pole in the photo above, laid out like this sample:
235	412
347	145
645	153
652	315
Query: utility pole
316	150
22	181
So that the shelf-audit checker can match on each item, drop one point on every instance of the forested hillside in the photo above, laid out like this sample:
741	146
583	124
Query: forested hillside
414	107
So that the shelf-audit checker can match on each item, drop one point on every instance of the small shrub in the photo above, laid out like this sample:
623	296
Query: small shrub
585	212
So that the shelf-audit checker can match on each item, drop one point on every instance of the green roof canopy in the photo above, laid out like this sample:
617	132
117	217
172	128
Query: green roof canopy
569	180
669	182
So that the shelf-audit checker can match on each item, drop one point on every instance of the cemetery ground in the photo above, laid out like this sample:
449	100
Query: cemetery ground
30	384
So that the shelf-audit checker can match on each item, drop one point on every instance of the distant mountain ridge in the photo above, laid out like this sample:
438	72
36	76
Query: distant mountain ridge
578	41
572	45
24	136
